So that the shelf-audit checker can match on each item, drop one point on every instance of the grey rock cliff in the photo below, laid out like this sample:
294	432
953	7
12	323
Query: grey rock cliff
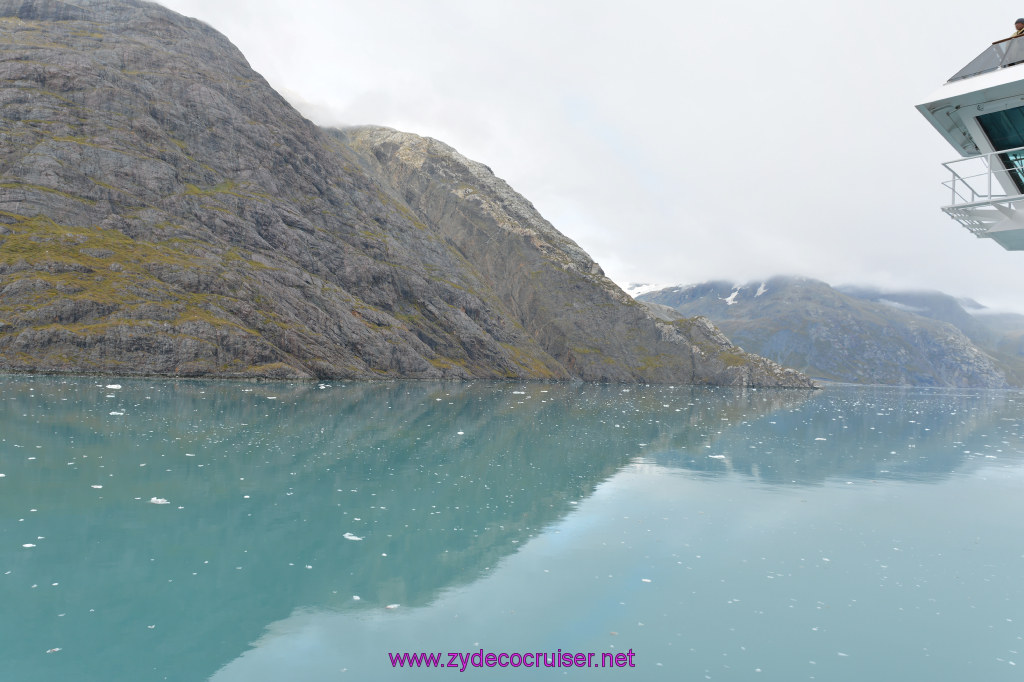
164	211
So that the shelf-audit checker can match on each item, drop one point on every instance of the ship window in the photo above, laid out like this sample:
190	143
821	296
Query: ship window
1005	130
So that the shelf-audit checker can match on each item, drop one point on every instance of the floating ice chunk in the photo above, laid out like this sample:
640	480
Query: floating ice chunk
350	536
3	475
114	386
717	456
117	414
97	487
840	653
53	650
28	545
158	500
355	597
391	606
820	438
463	433
645	580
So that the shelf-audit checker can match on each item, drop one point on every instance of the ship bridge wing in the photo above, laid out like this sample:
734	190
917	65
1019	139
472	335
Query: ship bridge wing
980	112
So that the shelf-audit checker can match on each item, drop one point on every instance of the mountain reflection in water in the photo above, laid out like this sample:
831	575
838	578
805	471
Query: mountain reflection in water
286	500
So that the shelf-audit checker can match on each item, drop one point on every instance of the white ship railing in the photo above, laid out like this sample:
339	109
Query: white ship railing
978	188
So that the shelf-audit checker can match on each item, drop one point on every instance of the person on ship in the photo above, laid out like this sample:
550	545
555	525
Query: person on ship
1019	25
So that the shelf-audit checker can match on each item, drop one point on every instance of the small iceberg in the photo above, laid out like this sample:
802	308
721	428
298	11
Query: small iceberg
158	500
350	536
114	386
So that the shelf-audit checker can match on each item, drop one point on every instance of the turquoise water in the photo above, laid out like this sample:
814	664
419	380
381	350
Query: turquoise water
160	530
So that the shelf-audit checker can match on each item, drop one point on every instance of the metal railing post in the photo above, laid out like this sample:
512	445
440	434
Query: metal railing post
989	157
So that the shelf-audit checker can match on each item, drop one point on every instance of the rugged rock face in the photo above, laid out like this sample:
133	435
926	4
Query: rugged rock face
164	211
861	338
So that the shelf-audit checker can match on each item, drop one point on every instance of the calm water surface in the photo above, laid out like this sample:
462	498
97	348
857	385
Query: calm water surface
230	531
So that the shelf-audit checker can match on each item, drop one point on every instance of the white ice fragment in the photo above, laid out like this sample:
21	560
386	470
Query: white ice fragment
350	536
117	414
28	545
840	653
158	500
189	454
114	386
3	475
53	650
355	597
645	580
819	438
97	487
461	433
717	456
391	606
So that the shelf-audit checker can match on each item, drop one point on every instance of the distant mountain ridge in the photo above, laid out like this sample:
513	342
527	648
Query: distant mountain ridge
163	211
860	334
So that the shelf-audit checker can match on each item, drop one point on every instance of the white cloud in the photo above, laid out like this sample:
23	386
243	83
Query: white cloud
672	142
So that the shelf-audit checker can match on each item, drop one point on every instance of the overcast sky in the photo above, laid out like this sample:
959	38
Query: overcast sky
674	142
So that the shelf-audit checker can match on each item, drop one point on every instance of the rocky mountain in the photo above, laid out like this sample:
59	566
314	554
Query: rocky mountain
857	334
164	212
